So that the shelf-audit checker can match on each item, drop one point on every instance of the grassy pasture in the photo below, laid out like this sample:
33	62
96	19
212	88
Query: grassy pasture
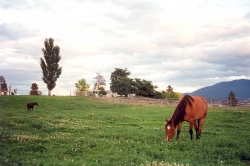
84	131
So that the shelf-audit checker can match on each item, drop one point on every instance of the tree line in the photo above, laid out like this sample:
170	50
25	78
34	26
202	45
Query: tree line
121	84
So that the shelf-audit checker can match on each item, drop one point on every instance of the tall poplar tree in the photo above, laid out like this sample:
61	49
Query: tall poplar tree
3	86
50	68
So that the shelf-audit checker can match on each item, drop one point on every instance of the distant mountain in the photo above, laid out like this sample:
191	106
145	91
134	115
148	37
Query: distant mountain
241	89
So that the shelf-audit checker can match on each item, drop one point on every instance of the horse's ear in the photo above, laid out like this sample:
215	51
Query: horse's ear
167	120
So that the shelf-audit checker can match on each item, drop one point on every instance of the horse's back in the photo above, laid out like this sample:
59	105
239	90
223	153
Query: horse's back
198	108
201	106
29	105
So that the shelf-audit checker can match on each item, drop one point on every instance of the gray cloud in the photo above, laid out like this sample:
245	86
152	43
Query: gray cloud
15	31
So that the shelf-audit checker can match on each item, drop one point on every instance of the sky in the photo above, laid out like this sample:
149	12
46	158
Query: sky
186	44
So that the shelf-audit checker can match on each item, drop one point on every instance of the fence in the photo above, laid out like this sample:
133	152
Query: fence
139	100
170	102
227	103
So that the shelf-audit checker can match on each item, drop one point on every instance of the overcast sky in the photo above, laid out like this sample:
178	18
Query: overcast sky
185	44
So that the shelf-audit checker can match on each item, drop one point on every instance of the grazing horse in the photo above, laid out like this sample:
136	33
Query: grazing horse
31	105
190	109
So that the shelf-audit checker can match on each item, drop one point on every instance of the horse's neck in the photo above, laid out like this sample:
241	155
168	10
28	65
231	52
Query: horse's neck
176	121
177	117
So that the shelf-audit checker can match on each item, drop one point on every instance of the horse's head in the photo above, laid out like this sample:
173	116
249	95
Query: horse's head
170	129
36	103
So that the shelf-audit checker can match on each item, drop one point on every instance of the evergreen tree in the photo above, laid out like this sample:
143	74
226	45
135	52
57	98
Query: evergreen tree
50	68
170	89
232	99
170	92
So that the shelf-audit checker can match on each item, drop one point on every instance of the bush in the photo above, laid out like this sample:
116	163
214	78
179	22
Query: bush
102	92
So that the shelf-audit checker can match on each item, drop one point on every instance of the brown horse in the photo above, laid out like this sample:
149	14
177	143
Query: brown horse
31	105
190	109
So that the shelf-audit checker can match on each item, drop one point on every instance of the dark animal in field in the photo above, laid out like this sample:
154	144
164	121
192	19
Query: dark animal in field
190	109
31	106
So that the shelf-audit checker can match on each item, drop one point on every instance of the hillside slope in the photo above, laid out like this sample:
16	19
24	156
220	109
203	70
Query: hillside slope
241	89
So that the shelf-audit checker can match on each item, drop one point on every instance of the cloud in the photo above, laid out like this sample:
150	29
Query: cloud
15	31
247	16
24	4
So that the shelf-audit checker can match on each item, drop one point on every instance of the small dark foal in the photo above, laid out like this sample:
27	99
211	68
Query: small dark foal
31	106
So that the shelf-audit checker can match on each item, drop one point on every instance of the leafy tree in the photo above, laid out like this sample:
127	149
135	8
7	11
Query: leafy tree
120	83
119	73
146	88
178	95
81	86
50	68
232	99
100	81
122	86
34	89
159	95
170	93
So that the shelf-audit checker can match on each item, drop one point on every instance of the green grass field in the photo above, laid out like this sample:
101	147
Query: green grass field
84	131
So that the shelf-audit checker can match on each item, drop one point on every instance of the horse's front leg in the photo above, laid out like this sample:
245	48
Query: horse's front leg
179	129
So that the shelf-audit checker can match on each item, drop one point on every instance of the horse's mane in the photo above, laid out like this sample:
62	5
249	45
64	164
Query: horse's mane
180	109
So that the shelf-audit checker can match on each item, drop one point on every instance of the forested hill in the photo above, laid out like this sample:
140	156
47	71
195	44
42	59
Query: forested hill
241	89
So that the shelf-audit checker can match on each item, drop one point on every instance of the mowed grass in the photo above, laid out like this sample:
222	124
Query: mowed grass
84	131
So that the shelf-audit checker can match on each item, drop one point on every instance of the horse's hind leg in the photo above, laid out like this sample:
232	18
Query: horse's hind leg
201	122
197	129
191	129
